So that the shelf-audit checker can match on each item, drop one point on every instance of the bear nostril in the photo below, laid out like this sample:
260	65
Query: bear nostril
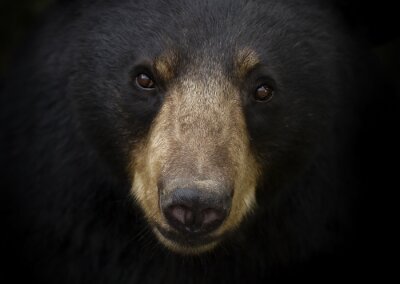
181	214
212	216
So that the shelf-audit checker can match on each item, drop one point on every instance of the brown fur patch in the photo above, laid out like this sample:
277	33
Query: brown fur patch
246	59
199	134
164	65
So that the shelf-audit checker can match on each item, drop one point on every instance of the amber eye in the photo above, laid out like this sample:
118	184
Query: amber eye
144	81
263	93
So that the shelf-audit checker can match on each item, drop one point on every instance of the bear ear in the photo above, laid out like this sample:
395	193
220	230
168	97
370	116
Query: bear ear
376	22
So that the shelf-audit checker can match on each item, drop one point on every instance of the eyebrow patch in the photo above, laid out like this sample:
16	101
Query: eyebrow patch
246	59
164	65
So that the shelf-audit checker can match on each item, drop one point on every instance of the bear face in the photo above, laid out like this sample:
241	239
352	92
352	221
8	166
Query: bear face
205	110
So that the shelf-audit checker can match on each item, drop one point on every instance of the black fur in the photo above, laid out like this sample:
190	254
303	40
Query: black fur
69	117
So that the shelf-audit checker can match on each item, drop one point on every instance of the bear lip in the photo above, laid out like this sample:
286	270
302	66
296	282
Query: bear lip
189	240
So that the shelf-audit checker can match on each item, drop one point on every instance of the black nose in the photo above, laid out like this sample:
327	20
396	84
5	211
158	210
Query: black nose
194	210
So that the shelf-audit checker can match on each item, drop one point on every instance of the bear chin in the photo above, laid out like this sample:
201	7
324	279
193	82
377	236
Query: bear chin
185	246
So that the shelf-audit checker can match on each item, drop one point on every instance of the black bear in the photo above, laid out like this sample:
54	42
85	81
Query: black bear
203	141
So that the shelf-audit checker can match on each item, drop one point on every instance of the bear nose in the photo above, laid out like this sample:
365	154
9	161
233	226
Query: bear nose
194	210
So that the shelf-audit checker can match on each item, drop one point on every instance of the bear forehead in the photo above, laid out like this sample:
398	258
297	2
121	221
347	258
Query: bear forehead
213	30
242	61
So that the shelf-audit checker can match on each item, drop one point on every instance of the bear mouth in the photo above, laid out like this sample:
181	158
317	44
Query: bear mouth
186	243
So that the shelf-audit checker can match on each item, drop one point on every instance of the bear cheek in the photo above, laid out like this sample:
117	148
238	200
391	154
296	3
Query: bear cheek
246	175
145	169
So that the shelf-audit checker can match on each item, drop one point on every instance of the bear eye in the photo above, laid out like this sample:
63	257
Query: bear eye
263	93
144	81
